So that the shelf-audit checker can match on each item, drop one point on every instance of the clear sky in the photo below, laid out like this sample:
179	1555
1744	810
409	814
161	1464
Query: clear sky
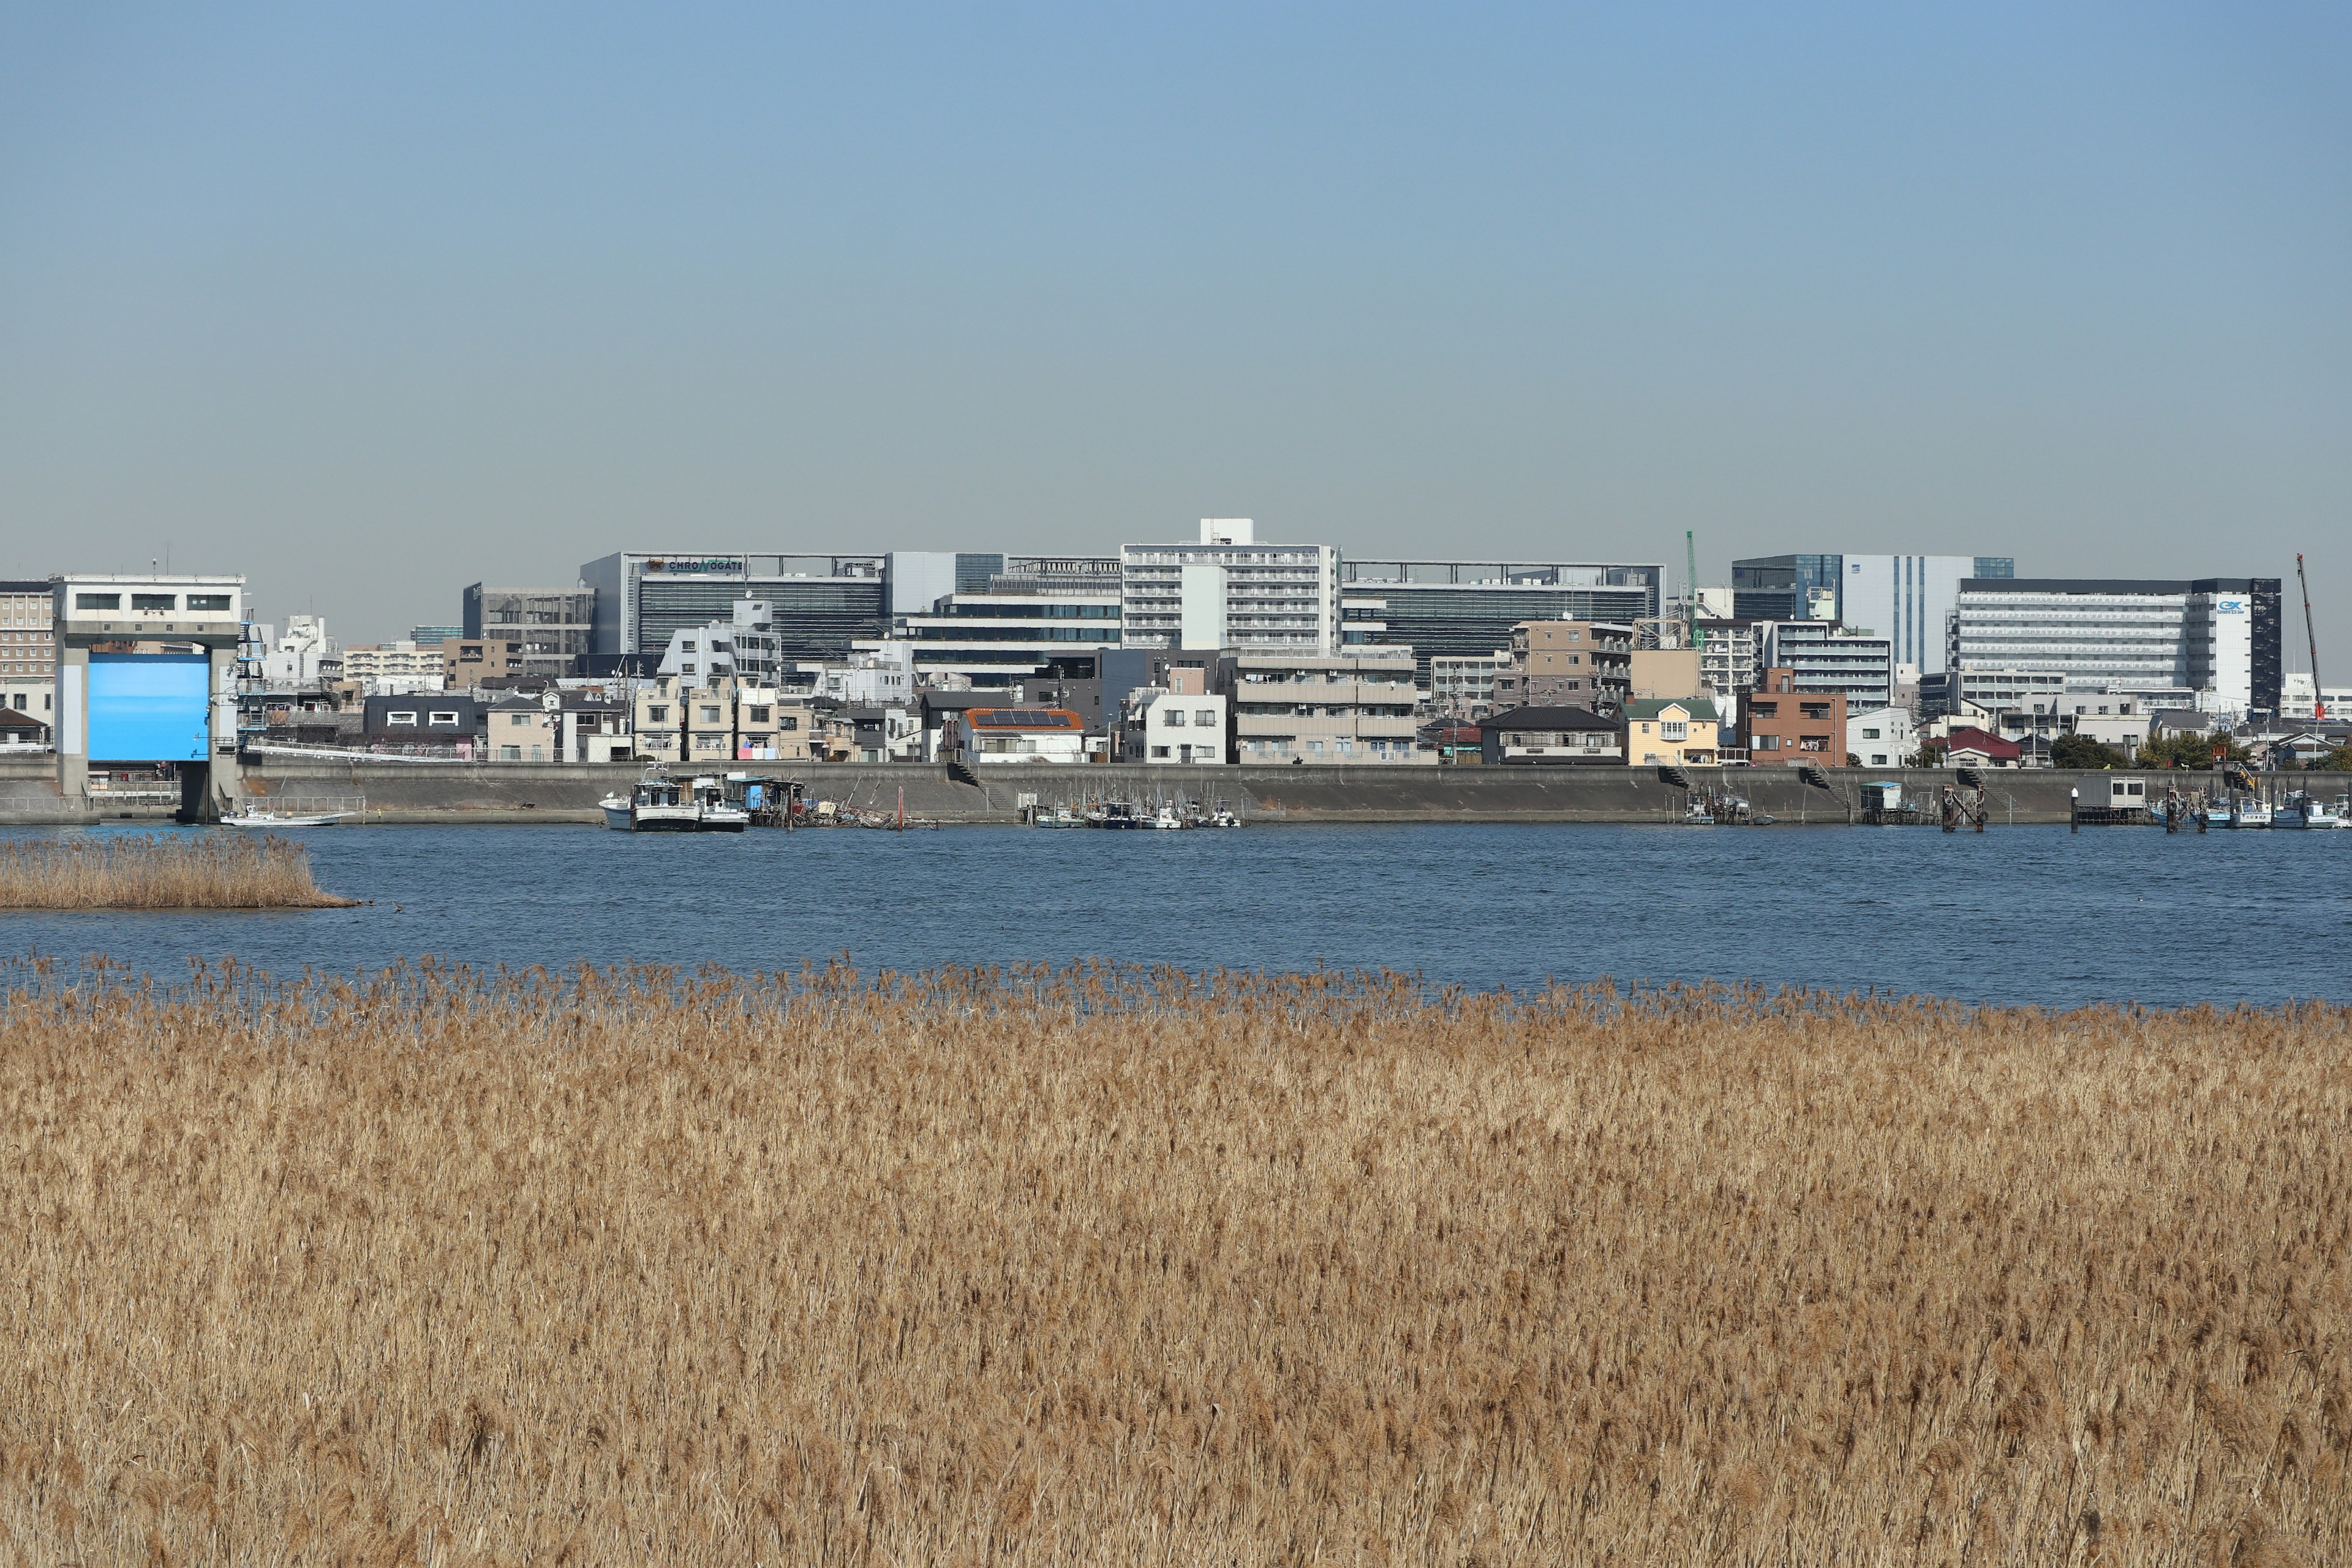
374	302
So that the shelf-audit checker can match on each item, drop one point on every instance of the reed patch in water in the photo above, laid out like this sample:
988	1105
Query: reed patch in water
1085	1266
221	870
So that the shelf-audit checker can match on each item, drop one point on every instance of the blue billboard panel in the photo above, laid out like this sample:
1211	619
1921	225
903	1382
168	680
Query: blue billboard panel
150	708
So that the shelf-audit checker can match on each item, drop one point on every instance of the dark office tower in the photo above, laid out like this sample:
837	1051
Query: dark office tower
2265	592
1780	587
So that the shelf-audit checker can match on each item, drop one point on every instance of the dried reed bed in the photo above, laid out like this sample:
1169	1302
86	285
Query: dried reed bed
1079	1269
183	871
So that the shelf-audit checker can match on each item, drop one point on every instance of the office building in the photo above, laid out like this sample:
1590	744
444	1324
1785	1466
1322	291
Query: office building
1466	608
434	637
1350	707
819	604
1786	587
1892	596
1228	590
2215	636
1824	656
553	627
1035	618
1909	599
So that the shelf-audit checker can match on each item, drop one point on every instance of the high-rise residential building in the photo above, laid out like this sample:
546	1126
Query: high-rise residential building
2216	635
1909	599
554	626
1466	608
1229	590
818	604
1827	657
1729	655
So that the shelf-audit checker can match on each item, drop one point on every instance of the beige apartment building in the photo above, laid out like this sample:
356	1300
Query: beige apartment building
28	649
720	725
1355	707
1567	664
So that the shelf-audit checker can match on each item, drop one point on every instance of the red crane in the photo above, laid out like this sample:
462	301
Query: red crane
2318	702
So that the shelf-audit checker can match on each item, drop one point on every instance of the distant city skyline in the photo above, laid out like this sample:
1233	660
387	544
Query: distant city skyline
373	305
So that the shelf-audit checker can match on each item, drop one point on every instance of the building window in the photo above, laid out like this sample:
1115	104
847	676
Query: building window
1878	758
208	601
509	754
1813	744
1159	751
709	713
1206	718
789	722
97	601
517	719
1173	717
1673	730
400	718
154	601
1870	734
758	713
538	754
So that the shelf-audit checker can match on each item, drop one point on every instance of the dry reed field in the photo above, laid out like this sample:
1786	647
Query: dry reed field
1093	1268
183	871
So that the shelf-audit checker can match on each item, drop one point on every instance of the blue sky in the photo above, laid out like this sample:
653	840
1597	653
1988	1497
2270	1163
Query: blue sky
372	303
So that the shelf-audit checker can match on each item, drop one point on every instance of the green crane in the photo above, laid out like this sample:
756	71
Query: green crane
1690	566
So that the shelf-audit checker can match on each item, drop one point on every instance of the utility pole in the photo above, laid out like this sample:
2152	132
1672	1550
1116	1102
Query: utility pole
1690	567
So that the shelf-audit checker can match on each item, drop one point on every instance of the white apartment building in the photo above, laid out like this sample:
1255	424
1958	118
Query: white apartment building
1826	656
395	668
305	655
2296	699
1731	652
1229	591
1355	707
1179	726
1882	738
1464	684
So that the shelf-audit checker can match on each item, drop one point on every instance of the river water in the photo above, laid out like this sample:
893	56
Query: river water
2013	915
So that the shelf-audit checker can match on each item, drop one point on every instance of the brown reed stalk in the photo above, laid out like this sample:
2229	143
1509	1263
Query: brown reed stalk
222	870
1092	1267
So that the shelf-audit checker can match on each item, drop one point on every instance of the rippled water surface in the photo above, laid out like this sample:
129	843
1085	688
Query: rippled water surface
2012	915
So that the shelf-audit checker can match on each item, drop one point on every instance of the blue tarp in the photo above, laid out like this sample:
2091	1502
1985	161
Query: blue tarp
150	708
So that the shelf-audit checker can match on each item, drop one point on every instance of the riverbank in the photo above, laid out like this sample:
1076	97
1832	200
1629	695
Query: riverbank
493	793
619	1268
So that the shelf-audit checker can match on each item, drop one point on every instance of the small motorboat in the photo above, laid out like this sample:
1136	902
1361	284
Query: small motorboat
1060	817
273	820
1114	814
672	805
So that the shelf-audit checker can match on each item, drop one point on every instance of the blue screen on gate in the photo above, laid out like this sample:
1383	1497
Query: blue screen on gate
150	708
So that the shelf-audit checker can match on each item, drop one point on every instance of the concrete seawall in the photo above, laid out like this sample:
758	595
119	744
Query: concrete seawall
398	793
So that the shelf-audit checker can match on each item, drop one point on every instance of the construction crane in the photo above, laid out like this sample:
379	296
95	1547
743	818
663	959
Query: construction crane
2318	702
1690	566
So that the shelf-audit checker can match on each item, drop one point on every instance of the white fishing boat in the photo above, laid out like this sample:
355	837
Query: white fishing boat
676	805
2303	810
1060	817
2250	813
273	820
